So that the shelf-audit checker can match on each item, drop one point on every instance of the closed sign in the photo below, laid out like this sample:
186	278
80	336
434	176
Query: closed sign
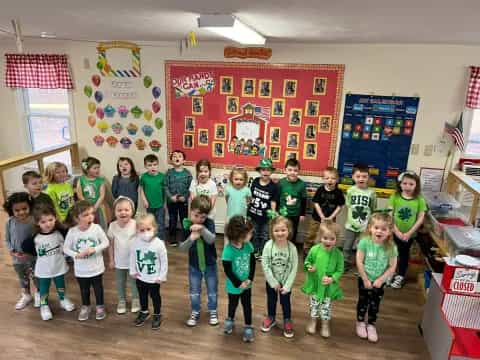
465	281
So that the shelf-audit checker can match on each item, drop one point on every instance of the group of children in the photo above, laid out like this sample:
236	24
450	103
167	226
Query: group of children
262	224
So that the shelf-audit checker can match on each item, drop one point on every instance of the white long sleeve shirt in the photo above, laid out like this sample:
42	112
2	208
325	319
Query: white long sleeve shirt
77	241
149	260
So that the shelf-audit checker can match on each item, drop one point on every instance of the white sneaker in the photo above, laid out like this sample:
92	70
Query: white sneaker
398	282
45	312
24	300
67	305
36	299
135	306
193	320
84	313
122	307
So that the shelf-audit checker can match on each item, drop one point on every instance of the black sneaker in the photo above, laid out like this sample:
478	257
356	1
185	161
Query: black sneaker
141	318
156	321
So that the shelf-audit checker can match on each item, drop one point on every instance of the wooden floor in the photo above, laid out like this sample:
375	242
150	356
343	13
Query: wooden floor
23	335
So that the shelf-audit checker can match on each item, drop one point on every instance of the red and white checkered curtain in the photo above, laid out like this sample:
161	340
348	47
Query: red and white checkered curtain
42	71
473	94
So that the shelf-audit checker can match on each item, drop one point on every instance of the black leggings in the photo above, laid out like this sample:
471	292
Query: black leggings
295	221
272	298
145	289
368	300
246	298
403	254
86	283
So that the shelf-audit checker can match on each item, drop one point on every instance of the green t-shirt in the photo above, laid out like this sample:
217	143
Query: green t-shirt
91	188
240	259
292	195
376	258
62	197
237	200
360	204
405	211
153	187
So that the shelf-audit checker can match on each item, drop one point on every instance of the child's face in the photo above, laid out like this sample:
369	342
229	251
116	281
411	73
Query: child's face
330	178
21	211
94	170
265	173
86	218
238	180
124	167
328	240
177	159
34	186
152	167
380	231
408	185
361	179
197	217
47	223
146	228
123	211
292	173
203	173
60	174
280	232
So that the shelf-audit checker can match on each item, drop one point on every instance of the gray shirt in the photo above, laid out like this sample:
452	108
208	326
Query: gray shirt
15	234
128	187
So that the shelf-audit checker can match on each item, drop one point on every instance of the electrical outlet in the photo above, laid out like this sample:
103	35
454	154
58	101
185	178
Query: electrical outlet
86	63
415	149
428	150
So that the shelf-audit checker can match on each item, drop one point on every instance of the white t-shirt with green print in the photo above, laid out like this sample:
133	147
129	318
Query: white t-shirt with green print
360	204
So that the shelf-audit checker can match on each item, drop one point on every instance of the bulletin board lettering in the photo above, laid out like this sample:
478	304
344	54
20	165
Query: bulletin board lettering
377	131
235	113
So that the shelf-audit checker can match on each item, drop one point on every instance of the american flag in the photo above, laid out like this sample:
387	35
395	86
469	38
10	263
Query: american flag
456	134
263	112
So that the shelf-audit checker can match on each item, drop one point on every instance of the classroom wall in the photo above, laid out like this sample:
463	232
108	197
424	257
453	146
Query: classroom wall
436	73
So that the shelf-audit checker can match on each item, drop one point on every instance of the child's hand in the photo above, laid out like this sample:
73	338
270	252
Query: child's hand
245	284
283	291
367	284
136	276
194	235
174	198
311	268
377	283
181	198
196	228
18	255
158	281
302	218
278	287
327	280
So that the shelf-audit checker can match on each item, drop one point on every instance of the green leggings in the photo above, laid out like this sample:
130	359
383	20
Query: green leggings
121	276
44	287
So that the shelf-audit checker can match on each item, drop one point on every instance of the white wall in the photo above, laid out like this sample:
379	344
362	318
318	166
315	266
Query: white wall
436	73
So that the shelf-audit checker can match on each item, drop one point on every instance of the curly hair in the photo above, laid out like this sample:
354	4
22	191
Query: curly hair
237	228
17	198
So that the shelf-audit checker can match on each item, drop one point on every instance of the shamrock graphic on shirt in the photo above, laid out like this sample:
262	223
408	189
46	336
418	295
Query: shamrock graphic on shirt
291	201
146	263
405	213
242	266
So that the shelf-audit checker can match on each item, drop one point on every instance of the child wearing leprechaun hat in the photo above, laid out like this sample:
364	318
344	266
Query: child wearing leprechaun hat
264	197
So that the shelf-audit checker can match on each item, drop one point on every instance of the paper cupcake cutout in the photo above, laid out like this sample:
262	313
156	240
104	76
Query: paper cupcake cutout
98	140
147	114
103	126
155	145
126	142
136	112
109	111
112	141
123	111
140	144
147	130
132	129
117	128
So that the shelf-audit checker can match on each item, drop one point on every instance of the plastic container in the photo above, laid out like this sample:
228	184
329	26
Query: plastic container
440	221
462	240
440	202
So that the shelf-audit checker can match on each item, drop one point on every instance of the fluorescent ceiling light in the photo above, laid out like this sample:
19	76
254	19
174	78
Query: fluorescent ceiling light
230	27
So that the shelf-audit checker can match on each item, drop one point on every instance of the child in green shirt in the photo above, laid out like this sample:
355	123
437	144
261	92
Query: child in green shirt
59	189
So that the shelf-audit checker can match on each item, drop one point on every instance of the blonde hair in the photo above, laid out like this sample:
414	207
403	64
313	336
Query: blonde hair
281	220
328	227
331	170
50	171
240	171
148	219
388	220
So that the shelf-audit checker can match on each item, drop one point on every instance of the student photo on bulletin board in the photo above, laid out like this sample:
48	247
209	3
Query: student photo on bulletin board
289	88
188	141
310	150
311	132
324	123
312	108
265	88
202	137
248	87
227	85
232	105
295	118
218	149
274	135
319	86
292	140
197	105
275	153
291	155
278	106
220	132
189	124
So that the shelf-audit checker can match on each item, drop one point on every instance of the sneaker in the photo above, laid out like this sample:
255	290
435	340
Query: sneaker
311	327
325	329
372	333
36	299
288	329
361	330
122	307
213	319
156	321
100	312
24	300
135	306
193	320
398	282
267	324
248	335
141	318
45	312
84	313
173	244
228	326
67	305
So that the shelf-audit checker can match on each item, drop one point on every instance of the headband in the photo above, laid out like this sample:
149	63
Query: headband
120	198
272	214
408	172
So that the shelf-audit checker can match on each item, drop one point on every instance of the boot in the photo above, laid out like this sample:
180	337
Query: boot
311	327
325	331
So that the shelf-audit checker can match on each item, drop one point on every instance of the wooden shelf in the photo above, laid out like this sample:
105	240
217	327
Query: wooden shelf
440	243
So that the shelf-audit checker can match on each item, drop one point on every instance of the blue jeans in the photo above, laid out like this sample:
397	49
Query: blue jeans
260	235
160	219
195	280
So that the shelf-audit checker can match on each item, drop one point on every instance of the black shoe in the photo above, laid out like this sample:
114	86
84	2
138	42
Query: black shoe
141	318
156	321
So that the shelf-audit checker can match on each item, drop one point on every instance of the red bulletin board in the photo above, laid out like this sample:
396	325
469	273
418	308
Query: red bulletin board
283	109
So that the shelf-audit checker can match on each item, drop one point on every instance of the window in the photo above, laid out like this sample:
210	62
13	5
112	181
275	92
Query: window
472	132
